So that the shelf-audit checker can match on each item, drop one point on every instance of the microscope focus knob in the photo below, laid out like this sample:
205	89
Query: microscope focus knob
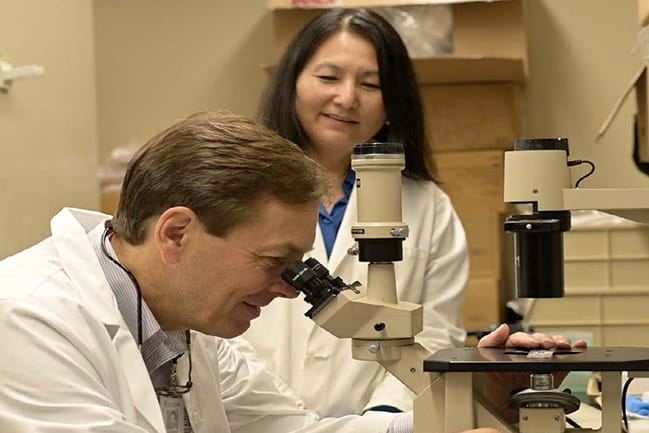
353	251
399	232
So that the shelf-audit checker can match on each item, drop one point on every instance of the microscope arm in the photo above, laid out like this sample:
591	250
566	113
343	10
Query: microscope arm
408	368
443	402
383	332
526	180
629	203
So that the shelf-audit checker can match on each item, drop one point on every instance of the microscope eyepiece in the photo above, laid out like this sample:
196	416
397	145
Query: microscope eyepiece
298	276
313	279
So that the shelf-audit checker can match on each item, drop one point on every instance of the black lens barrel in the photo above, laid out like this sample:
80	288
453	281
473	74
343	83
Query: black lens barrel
313	279
539	253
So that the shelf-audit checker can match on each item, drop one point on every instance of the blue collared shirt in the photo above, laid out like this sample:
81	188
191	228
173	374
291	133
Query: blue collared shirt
330	222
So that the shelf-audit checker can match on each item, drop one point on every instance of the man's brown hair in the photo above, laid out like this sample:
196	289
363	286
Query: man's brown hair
218	164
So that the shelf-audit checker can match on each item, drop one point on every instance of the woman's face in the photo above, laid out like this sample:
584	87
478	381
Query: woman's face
338	94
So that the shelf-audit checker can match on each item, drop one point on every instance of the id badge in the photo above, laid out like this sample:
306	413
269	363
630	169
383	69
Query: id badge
173	413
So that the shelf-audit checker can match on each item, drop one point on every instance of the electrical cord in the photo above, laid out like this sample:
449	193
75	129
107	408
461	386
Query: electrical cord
569	420
108	231
579	162
625	389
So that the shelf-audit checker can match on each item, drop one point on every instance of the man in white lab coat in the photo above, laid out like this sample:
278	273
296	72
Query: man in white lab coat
108	325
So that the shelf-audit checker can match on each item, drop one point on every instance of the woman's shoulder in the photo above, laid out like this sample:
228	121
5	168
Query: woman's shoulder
424	200
416	189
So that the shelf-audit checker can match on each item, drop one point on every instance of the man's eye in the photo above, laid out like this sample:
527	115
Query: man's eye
275	261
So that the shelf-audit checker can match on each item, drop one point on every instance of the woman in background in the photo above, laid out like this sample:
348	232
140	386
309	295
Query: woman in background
347	79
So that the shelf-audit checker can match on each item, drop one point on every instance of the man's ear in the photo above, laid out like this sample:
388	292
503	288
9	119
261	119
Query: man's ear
172	232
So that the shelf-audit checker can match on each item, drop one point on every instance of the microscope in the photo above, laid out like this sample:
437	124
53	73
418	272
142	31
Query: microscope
382	328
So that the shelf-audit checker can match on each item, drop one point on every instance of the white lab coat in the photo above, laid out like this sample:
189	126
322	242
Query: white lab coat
69	363
317	366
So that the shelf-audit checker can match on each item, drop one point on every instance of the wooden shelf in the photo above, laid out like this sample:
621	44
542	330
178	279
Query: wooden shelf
469	69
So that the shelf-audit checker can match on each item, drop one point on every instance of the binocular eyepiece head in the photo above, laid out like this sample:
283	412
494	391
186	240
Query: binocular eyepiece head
313	279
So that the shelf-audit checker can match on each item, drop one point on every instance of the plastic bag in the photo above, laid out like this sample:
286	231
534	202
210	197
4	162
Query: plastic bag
426	30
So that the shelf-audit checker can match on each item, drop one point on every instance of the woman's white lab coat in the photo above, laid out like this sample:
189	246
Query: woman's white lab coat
69	363
317	366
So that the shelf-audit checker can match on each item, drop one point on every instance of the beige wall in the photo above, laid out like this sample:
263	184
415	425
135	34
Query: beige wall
580	63
155	61
48	123
160	60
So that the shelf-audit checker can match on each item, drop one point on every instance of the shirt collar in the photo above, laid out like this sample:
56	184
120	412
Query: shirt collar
158	346
348	182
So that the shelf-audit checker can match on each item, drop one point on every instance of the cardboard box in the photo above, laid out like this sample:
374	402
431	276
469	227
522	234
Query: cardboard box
489	37
473	180
451	69
108	201
473	116
485	237
320	4
483	305
643	12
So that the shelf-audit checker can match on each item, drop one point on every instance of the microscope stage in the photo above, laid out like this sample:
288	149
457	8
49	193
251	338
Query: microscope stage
467	359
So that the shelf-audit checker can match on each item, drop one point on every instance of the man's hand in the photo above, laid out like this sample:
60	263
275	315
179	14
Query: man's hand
500	338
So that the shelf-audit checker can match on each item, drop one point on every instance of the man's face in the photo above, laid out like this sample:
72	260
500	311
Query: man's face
224	281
